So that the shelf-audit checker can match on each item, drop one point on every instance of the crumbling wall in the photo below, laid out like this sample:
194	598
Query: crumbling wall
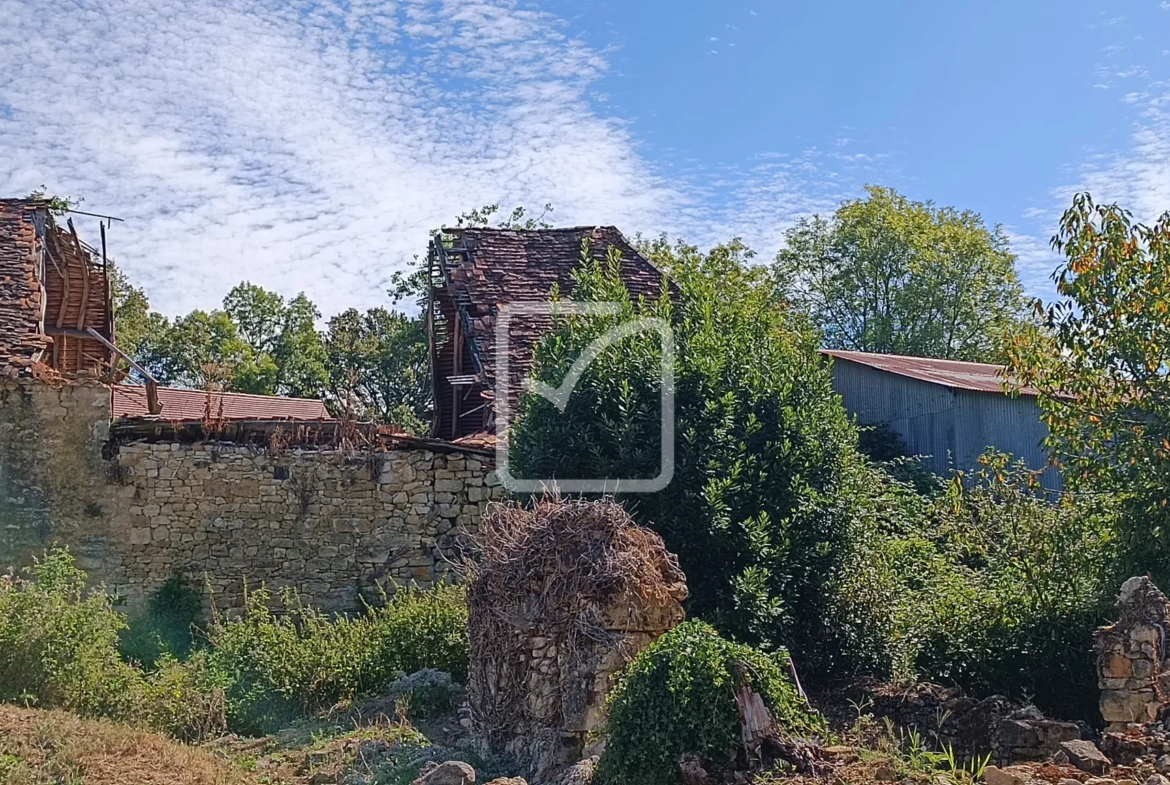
1132	659
53	478
568	593
330	524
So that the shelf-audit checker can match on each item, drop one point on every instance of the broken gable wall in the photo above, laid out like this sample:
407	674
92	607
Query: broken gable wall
331	525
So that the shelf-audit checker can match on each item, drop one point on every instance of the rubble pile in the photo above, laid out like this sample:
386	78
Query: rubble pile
1133	669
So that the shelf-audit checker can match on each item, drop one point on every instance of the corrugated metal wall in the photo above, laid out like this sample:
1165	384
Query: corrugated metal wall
950	428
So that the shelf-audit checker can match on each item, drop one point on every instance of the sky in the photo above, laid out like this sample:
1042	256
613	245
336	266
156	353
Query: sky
310	145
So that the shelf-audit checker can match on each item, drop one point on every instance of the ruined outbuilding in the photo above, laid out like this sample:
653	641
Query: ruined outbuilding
1133	661
478	271
56	312
567	594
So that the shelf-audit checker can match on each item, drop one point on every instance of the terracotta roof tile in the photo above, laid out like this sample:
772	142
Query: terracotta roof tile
509	266
182	404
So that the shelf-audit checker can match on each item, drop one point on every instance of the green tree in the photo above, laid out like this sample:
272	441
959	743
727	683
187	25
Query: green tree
259	343
886	274
135	324
379	367
204	349
769	497
1102	368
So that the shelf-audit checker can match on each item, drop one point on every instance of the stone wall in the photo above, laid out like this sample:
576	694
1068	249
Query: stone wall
1133	661
567	594
332	525
53	478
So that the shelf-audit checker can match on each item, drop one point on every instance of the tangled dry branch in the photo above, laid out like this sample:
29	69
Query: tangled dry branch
551	569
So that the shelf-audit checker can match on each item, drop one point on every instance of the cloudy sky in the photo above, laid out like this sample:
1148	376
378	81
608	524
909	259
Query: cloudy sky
309	145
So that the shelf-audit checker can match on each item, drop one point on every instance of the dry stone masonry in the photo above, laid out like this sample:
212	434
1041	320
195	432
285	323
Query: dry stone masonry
331	524
568	594
1133	664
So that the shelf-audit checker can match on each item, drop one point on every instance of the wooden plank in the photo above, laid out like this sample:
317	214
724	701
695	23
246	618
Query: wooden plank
59	346
82	259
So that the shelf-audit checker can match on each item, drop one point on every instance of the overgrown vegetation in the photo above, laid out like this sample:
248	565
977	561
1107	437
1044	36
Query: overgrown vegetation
1100	366
678	697
59	648
791	535
278	667
168	629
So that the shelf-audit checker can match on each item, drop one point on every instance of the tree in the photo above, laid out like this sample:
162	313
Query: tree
1102	369
134	323
379	367
259	343
885	274
204	349
769	497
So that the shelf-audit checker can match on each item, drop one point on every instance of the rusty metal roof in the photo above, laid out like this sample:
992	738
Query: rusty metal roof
183	404
955	374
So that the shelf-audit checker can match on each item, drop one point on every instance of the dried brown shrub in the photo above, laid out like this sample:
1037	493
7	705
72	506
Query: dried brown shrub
551	569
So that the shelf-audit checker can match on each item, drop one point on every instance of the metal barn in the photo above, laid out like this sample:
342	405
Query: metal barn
946	411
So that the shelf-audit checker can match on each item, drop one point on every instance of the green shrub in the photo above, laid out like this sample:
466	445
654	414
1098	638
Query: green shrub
59	644
277	667
167	629
678	697
770	498
1028	582
185	699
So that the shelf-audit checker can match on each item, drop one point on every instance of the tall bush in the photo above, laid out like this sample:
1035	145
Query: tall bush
770	498
1027	580
59	644
277	667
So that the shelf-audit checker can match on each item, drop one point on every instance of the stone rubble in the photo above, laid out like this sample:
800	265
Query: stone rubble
1134	672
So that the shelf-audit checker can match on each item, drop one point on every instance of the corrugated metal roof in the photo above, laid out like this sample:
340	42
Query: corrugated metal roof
182	404
956	374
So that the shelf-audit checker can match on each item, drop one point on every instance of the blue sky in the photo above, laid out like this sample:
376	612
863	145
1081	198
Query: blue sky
310	144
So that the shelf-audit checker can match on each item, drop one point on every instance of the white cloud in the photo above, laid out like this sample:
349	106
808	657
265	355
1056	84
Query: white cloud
305	145
1137	178
310	145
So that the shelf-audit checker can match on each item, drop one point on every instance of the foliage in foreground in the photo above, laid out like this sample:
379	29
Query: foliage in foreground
788	534
1102	371
59	645
1025	581
769	495
59	648
678	697
278	667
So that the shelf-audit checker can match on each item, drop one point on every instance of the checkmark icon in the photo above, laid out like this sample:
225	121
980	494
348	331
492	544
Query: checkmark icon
559	395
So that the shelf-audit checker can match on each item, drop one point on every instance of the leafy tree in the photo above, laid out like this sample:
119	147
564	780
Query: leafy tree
259	343
1102	368
135	324
769	497
889	275
379	366
204	348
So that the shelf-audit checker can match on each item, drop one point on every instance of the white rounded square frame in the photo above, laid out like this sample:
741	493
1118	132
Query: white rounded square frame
559	396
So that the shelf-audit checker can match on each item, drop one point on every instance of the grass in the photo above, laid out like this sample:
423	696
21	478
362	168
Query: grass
39	747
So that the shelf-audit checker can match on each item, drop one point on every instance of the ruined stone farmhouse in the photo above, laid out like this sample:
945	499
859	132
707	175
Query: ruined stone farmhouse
483	270
142	481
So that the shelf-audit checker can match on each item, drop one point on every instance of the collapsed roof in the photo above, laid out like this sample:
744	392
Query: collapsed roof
55	298
481	271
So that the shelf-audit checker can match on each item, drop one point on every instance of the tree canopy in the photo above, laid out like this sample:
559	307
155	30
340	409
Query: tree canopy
1102	369
370	365
890	275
